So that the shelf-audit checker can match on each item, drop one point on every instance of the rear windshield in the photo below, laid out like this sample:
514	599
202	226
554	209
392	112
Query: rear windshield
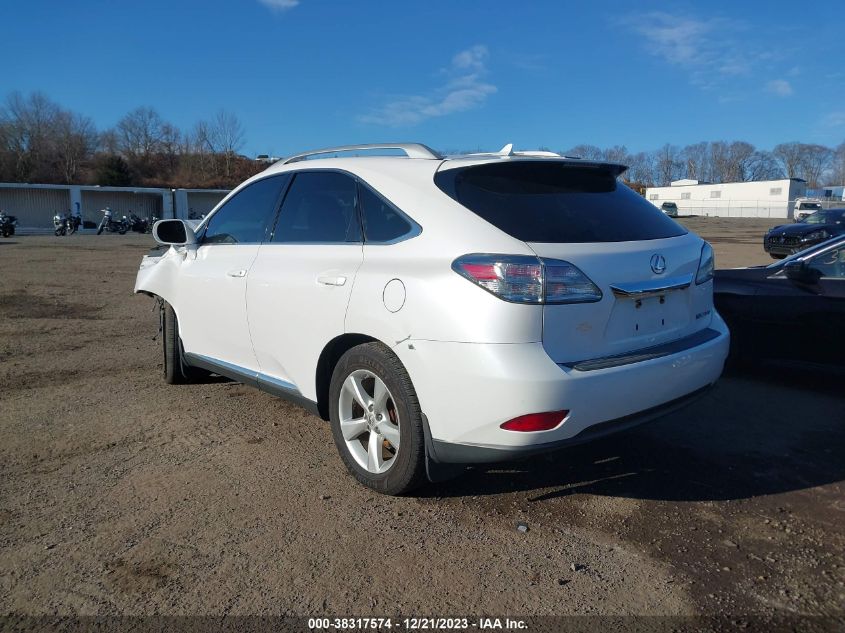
556	202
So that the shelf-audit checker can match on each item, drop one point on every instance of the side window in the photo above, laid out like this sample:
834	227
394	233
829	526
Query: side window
245	217
830	264
320	206
382	221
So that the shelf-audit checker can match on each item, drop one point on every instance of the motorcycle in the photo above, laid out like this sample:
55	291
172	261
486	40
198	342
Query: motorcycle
7	224
66	224
138	224
108	223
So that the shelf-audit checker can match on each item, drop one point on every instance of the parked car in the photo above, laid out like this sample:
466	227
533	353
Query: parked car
670	209
805	207
791	238
442	311
790	310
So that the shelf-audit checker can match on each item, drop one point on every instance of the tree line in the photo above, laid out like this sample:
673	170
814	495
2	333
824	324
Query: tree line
722	161
42	142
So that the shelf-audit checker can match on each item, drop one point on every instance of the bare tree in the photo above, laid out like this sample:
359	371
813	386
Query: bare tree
28	123
695	159
789	155
225	135
170	146
140	133
590	152
837	168
739	155
617	154
762	165
815	161
108	142
75	139
641	169
668	164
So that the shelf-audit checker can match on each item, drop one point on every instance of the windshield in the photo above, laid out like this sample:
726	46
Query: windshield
809	206
831	216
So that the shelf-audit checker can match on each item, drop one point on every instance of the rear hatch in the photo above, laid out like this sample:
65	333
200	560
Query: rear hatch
643	262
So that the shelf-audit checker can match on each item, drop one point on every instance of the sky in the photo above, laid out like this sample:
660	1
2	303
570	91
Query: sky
455	75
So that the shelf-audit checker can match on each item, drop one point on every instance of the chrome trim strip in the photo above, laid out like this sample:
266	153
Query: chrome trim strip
648	353
277	383
275	386
641	289
235	372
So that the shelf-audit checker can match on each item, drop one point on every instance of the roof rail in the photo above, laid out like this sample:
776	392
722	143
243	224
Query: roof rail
412	150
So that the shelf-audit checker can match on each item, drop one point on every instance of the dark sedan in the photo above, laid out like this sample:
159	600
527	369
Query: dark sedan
816	228
791	310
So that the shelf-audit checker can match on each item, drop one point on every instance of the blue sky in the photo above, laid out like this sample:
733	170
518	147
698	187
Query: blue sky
453	74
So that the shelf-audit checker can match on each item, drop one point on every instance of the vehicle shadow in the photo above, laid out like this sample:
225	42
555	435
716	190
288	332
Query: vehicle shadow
756	433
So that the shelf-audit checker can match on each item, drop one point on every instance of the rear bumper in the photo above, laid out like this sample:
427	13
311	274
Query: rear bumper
468	390
446	452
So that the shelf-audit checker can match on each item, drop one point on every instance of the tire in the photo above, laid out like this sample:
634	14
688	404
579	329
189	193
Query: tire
99	229
403	469
176	372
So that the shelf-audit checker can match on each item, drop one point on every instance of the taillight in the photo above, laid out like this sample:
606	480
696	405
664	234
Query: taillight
535	421
527	279
705	264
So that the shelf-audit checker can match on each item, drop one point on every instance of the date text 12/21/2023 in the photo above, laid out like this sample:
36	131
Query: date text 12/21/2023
415	624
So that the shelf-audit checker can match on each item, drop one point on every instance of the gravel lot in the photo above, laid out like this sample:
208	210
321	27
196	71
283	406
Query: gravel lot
121	495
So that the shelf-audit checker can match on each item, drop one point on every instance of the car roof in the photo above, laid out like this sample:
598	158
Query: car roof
417	154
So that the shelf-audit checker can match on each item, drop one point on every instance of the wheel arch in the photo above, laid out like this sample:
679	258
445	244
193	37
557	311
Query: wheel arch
329	357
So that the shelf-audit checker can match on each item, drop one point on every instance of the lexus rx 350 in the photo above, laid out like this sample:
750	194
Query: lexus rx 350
442	311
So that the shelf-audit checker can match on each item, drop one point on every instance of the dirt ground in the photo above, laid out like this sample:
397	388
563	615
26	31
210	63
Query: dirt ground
122	495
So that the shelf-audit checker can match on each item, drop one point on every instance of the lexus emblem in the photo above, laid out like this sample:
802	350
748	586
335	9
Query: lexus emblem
658	264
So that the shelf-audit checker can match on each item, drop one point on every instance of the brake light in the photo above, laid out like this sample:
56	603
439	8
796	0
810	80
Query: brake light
705	264
527	279
535	422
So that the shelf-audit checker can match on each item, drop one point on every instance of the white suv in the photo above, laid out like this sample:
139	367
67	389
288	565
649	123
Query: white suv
442	311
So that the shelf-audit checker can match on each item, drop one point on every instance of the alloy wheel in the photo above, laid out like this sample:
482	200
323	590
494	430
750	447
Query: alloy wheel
369	421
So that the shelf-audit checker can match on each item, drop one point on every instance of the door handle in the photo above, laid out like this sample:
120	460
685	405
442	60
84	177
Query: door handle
331	280
236	273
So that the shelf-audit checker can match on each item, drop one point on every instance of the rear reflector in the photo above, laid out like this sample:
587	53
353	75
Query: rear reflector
535	421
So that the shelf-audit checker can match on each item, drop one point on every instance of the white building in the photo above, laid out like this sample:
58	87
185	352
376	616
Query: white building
835	193
758	199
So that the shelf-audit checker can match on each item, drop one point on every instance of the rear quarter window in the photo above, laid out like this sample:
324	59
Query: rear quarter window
553	201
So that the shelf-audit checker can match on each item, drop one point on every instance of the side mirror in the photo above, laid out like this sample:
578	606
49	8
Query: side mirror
801	273
174	233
